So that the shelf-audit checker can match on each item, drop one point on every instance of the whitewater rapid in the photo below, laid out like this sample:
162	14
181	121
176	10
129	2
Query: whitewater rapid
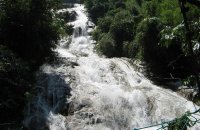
102	93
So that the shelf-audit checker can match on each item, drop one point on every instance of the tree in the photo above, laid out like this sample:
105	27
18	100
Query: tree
29	29
28	33
189	39
122	30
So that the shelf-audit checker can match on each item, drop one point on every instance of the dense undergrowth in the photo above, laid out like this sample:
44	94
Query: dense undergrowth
150	30
29	31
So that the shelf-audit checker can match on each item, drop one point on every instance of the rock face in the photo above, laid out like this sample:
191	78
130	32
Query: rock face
68	16
90	24
72	16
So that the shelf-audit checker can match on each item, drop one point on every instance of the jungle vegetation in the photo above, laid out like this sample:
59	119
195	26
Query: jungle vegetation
29	31
152	31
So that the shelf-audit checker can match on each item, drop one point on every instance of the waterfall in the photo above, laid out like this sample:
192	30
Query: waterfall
97	93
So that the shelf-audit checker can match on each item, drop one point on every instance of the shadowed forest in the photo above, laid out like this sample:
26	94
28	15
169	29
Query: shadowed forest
149	30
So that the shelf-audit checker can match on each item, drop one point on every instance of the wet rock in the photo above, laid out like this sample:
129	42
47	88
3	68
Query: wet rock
84	55
77	31
94	121
72	16
66	42
97	120
67	16
90	24
86	102
73	64
67	5
139	81
77	106
89	31
112	66
90	115
185	92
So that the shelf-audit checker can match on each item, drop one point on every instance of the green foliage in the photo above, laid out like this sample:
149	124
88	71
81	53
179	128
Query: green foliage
99	8
96	8
69	29
130	49
122	27
150	8
28	27
122	30
65	16
29	30
148	37
191	80
177	56
193	12
96	34
106	45
151	30
105	23
170	13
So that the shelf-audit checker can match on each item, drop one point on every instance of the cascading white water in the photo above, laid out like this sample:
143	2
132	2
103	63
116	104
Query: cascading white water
106	94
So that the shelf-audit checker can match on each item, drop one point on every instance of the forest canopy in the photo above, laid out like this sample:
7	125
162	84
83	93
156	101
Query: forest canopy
150	30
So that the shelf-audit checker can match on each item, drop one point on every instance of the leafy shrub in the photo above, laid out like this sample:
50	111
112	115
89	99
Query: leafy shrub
150	8
170	13
106	45
147	38
96	34
29	29
97	8
130	49
105	23
122	30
